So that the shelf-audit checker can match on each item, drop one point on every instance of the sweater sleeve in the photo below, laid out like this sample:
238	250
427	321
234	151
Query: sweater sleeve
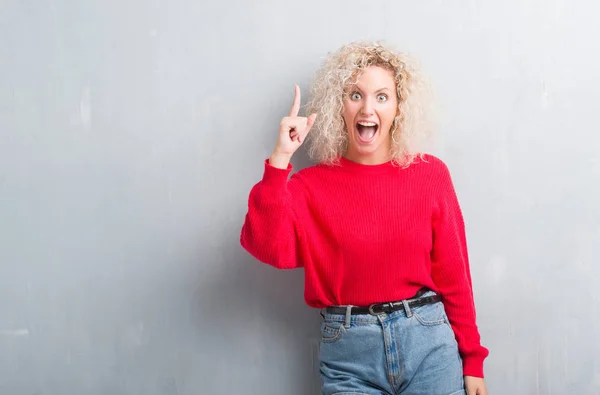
451	273
271	231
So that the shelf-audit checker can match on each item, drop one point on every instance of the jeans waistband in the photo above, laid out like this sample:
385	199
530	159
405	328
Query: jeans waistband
368	318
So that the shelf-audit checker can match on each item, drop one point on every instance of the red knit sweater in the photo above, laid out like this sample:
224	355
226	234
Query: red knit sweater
367	234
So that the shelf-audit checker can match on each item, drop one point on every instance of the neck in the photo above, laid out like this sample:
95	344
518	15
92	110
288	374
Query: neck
367	159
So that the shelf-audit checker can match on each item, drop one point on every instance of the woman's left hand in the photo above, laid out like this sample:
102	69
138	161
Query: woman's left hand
475	386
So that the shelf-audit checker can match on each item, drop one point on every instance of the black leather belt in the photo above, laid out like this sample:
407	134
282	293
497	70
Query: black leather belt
380	308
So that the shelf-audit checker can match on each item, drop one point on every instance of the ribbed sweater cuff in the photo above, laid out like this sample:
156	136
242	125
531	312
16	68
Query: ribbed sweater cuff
275	177
473	366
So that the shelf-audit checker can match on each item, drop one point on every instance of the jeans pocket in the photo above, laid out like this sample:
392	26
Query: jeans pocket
430	314
331	331
459	392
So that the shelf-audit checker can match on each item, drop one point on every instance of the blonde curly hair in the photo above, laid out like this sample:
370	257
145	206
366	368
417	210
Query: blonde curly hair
411	127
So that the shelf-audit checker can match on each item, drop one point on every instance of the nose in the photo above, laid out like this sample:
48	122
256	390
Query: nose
367	108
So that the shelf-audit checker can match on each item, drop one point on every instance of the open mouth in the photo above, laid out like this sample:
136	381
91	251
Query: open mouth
366	131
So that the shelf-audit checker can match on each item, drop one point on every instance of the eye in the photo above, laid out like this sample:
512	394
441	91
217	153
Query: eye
355	96
382	97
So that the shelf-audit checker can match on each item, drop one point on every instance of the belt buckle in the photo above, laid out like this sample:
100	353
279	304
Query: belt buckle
373	312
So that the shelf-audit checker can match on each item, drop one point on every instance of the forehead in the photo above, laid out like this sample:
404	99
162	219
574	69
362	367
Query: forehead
374	78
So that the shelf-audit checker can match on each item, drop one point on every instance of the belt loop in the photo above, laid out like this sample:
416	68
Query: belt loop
348	316
407	309
321	312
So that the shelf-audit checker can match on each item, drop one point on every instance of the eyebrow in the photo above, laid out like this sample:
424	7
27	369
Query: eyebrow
377	91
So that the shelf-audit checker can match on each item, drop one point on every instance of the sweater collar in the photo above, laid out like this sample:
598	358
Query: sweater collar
367	169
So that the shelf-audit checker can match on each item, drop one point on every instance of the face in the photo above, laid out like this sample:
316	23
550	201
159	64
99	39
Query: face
369	110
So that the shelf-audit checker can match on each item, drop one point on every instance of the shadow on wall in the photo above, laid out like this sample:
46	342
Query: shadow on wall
260	314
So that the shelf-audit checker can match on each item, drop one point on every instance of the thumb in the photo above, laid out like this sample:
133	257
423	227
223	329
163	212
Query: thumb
309	124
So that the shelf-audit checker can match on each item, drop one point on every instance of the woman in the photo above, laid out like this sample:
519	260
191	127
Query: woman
378	229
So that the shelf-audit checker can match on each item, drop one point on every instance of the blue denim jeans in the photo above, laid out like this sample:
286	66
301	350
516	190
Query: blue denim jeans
408	353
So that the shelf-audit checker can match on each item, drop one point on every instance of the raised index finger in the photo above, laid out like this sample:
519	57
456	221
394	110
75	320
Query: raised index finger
296	106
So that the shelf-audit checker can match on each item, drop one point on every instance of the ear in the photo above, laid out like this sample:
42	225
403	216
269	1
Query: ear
396	124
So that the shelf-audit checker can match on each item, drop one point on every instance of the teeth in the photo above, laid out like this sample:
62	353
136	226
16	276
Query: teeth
367	123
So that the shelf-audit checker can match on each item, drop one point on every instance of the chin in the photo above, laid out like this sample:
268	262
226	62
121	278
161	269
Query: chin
376	149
